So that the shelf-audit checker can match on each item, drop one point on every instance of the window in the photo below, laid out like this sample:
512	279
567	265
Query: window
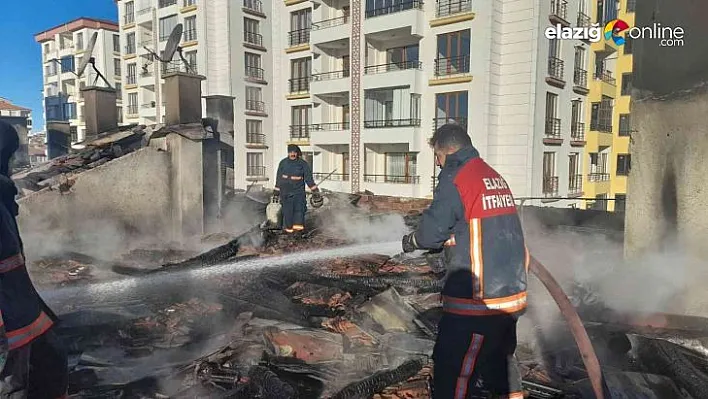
453	53
550	180
626	84
345	116
82	114
167	24
254	100
300	118
120	114
631	5
451	108
67	64
191	57
598	166
554	48
80	41
606	11
575	177
130	45
300	70
254	164
129	12
188	3
346	66
345	166
401	167
553	123
254	132
251	32
620	202
130	78
389	108
601	115
166	3
50	69
415	106
580	58
46	48
132	103
119	90
403	57
623	164
190	29
116	43
73	130
301	20
70	110
252	63
628	42
116	67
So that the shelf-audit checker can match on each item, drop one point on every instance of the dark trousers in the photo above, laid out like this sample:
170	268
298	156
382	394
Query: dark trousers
474	358
293	209
38	370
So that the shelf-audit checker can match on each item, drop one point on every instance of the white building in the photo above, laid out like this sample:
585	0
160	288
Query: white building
228	42
63	50
362	93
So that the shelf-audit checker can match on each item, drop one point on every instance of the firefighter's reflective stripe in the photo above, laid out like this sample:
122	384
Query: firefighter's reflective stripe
513	395
285	176
451	241
295	177
313	187
476	258
527	259
468	365
298	227
24	335
11	263
289	230
484	307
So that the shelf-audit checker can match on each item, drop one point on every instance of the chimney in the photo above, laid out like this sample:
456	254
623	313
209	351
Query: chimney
183	95
100	110
220	114
58	138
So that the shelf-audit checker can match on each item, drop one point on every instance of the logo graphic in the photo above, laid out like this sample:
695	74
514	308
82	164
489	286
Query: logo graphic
613	30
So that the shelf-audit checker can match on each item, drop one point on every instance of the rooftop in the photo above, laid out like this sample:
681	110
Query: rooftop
74	25
5	104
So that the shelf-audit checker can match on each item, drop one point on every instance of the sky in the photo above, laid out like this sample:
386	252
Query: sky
21	65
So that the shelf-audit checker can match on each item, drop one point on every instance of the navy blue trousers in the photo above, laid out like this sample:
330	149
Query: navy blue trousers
293	209
474	357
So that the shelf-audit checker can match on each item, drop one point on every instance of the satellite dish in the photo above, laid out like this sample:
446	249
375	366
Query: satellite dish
89	52
172	47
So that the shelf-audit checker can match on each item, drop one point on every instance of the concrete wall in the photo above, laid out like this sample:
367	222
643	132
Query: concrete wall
666	190
129	195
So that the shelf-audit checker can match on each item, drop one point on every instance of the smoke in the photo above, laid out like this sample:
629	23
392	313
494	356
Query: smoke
358	226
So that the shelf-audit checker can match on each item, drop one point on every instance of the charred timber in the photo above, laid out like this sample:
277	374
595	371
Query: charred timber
376	383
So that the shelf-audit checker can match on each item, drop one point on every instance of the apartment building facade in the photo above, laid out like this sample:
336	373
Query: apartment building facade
21	119
63	50
608	159
227	42
362	92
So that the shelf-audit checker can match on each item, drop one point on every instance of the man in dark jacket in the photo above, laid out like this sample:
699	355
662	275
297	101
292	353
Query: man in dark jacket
473	217
37	364
293	173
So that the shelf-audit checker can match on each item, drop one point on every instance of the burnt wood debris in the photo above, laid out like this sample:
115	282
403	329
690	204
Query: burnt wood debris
344	328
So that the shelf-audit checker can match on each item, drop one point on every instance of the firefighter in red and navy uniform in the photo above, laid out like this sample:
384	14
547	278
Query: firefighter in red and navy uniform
36	364
473	217
292	176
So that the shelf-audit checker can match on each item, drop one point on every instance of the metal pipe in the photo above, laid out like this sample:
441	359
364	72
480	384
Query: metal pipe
587	352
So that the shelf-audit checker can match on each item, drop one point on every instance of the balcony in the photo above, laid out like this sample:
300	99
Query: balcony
600	126
553	131
388	123
385	22
448	8
299	132
190	35
575	185
451	66
391	179
132	109
333	177
143	12
330	23
319	77
254	7
556	72
166	3
404	73
393	67
598	177
606	76
330	133
580	81
577	134
330	126
299	85
550	186
255	107
253	40
330	82
559	12
131	80
584	20
255	171
607	84
299	37
394	8
255	73
324	32
255	139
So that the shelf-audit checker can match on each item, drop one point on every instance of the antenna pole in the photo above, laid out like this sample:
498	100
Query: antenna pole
187	67
100	75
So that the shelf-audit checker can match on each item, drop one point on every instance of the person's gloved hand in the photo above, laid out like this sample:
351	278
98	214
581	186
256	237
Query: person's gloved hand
316	200
408	243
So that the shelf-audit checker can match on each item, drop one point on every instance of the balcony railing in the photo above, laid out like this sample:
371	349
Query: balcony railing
575	184
253	5
394	8
299	85
166	3
255	73
392	67
188	3
298	37
151	104
606	76
132	109
299	132
601	126
255	171
253	38
330	75
584	20
452	65
255	138
559	8
458	120
255	106
391	179
130	80
145	10
597	177
318	176
553	128
146	42
555	68
190	35
330	126
580	77
328	23
550	186
577	131
452	7
374	124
